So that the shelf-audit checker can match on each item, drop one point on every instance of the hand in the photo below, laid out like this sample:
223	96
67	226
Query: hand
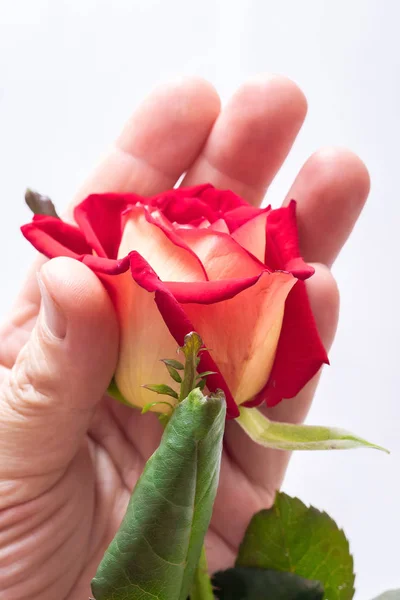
70	457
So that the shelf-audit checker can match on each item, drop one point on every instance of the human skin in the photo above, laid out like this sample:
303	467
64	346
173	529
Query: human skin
70	456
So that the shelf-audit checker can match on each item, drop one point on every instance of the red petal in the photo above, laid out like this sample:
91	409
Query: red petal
221	201
184	205
188	205
210	292
193	191
106	266
52	237
99	217
239	216
300	352
282	247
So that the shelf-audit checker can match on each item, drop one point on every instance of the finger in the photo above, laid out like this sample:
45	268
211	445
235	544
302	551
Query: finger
260	470
251	137
17	327
160	141
331	190
47	399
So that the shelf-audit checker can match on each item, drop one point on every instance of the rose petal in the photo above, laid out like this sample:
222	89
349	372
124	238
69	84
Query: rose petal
106	266
183	206
220	225
194	191
139	361
282	247
158	219
99	218
221	201
251	235
239	216
222	257
52	237
242	333
170	261
204	224
300	352
178	323
187	205
210	292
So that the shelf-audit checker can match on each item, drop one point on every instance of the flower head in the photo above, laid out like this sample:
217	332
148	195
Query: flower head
198	259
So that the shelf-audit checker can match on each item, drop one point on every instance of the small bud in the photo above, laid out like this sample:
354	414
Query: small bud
39	204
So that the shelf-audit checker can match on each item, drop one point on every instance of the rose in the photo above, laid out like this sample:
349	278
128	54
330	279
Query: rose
197	259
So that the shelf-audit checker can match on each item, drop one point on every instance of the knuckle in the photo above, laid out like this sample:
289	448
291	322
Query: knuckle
30	385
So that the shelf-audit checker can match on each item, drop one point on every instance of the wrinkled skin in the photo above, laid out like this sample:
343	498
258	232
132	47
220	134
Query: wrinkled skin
69	456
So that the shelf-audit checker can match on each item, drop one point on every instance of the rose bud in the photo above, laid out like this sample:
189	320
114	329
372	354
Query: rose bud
197	259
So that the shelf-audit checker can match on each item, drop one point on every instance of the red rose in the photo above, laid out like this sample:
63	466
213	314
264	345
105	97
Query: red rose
198	259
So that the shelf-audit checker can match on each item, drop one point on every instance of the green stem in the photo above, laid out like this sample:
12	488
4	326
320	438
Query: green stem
201	587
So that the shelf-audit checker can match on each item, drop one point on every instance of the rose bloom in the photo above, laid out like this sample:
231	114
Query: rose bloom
197	259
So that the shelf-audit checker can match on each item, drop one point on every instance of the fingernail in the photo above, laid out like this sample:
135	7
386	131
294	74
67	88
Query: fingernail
51	313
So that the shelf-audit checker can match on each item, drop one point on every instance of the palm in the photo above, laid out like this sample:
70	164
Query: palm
93	491
81	488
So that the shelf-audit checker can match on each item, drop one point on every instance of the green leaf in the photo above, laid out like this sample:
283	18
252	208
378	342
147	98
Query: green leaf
390	595
202	384
286	436
165	390
205	374
156	551
174	374
149	406
175	364
40	205
302	540
244	583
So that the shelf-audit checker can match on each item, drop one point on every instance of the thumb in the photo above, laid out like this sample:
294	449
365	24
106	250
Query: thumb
48	398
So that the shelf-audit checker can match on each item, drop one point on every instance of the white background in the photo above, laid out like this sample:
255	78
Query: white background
72	71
